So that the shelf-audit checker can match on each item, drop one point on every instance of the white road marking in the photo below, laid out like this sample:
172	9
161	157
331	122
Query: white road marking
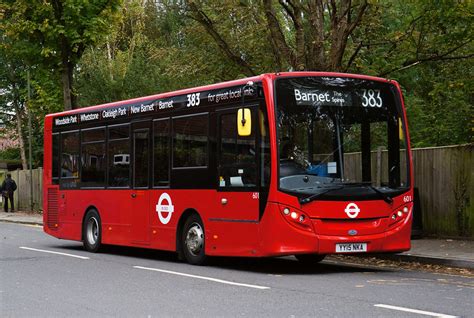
203	277
415	311
52	252
32	225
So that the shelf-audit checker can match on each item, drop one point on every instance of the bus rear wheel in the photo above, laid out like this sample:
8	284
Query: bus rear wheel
92	231
193	240
310	258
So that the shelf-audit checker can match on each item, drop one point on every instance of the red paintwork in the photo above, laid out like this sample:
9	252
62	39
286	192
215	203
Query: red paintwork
134	221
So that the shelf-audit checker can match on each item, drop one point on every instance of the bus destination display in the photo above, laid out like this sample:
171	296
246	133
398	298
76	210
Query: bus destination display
318	97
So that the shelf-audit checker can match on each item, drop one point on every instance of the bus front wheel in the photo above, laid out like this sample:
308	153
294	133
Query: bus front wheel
192	240
310	258
92	231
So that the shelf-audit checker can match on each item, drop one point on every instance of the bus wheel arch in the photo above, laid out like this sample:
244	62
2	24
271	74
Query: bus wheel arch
92	230
190	238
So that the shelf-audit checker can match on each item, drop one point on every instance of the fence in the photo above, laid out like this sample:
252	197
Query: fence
23	193
444	177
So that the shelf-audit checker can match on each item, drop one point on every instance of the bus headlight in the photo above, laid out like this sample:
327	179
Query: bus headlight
296	218
399	214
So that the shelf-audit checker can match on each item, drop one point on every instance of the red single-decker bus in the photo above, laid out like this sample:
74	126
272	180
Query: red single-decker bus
301	163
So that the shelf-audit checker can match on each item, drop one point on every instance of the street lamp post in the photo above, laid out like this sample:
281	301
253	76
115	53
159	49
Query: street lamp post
30	142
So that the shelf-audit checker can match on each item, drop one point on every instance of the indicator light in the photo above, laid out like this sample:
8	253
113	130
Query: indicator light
394	217
286	211
302	218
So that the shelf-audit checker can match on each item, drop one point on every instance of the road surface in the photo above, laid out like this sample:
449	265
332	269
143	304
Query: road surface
42	276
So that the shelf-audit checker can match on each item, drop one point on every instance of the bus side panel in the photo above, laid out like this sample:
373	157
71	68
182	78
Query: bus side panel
230	230
73	204
233	224
114	209
166	208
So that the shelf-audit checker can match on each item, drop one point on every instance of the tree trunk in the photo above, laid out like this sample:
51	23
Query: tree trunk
279	42
67	68
20	133
109	59
66	88
316	59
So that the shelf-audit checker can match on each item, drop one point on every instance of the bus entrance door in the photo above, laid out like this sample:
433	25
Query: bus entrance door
236	215
141	170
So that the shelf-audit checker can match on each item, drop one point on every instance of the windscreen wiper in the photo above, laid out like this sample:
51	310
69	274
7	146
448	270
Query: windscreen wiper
384	196
369	185
317	195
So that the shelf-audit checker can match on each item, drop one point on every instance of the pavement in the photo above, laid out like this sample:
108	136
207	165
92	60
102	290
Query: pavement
447	252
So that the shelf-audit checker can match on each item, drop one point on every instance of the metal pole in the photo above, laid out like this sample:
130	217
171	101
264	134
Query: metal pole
339	148
30	142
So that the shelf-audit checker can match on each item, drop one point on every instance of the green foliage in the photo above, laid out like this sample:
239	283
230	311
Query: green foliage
10	154
439	99
54	34
47	38
428	47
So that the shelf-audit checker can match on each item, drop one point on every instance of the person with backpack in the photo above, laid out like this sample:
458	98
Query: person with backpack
8	187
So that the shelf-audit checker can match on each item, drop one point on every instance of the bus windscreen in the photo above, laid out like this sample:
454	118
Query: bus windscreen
340	136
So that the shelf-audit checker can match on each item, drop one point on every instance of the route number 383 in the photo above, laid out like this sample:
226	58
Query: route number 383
371	98
193	100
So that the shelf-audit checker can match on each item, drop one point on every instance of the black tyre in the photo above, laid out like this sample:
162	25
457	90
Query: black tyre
193	240
92	231
310	258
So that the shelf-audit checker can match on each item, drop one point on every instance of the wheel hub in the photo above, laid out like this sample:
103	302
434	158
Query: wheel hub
92	230
195	239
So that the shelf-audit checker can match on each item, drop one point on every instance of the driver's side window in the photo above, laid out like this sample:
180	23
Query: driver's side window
237	154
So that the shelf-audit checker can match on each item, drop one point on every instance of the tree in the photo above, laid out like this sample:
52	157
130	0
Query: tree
125	64
304	35
14	110
330	35
58	31
12	114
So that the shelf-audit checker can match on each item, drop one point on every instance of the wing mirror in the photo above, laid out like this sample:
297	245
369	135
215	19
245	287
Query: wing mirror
244	122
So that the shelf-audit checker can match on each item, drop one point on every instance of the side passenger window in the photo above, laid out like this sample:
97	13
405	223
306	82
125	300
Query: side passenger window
190	135
70	147
237	160
119	156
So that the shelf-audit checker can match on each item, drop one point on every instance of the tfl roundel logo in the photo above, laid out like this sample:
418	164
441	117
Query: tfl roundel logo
165	211
352	210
